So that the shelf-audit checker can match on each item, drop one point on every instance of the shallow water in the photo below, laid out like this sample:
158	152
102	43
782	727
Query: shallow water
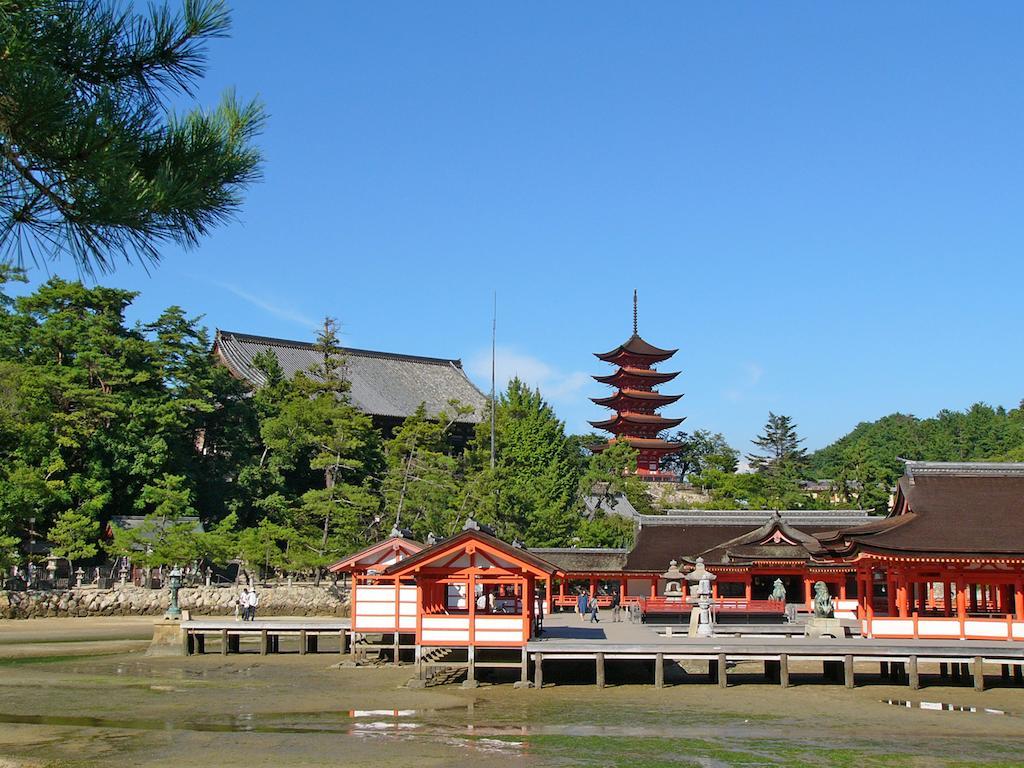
939	706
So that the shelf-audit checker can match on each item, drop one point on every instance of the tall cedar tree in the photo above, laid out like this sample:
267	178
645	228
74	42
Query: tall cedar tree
319	430
92	163
782	463
531	493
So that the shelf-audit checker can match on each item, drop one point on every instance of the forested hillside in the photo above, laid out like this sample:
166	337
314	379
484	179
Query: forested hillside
871	452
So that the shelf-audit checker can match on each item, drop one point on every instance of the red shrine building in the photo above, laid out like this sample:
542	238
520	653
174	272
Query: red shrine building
635	402
946	562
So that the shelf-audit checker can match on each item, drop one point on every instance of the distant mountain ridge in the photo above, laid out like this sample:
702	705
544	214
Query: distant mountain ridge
871	452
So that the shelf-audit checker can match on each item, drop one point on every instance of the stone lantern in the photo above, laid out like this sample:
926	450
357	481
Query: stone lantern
674	578
124	571
51	569
79	574
701	579
174	611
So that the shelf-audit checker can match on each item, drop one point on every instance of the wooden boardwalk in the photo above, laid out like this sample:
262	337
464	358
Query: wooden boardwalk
307	632
567	639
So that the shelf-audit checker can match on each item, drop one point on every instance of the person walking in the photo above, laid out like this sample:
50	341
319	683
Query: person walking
242	604
593	611
254	601
616	608
581	605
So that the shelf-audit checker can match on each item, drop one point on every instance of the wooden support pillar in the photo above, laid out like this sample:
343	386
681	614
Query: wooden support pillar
343	642
659	670
223	642
914	678
848	671
599	665
471	665
979	674
1018	599
524	667
748	589
842	589
654	587
538	670
808	593
723	672
783	670
593	588
264	642
302	642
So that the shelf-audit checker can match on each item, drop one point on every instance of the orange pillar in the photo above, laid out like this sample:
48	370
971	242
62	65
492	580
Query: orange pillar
961	599
808	593
842	589
901	596
748	592
1018	599
654	587
593	588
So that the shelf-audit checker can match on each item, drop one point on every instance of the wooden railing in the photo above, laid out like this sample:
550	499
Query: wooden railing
721	605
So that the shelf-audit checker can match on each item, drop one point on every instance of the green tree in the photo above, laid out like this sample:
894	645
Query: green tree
92	164
531	494
701	449
74	537
317	431
422	487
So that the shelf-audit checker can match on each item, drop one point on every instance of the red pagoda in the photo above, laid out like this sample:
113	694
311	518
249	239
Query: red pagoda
636	403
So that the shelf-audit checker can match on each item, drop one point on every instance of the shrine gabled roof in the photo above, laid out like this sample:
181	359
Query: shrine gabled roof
382	383
951	509
657	545
462	540
392	544
635	345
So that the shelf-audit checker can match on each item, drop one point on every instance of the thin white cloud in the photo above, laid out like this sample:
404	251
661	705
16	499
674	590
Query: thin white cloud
554	385
284	313
752	373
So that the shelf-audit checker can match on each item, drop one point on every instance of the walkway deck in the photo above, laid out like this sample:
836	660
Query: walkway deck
566	638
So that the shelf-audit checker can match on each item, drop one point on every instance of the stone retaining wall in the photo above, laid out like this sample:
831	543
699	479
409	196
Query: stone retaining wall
129	600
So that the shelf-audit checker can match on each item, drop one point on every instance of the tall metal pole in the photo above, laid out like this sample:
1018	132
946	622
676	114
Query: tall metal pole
494	335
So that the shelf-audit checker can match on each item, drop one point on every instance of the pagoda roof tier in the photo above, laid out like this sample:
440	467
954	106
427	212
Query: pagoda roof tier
638	397
646	420
639	376
653	444
636	347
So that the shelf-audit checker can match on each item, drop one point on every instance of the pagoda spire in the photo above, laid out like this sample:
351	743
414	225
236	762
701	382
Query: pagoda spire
636	401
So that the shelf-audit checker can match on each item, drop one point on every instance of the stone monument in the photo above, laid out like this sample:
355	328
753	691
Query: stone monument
778	591
700	593
823	623
168	635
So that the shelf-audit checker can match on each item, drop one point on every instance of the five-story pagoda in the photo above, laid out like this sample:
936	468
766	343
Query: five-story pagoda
636	402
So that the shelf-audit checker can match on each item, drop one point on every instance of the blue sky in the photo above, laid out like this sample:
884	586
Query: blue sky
820	203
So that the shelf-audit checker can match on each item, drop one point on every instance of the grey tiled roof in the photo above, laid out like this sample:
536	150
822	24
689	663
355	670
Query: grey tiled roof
836	518
383	383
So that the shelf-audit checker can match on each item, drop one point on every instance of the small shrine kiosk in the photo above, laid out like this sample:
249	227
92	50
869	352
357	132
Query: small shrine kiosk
471	590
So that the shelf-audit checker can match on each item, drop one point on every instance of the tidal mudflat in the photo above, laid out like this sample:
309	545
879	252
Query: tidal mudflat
83	694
